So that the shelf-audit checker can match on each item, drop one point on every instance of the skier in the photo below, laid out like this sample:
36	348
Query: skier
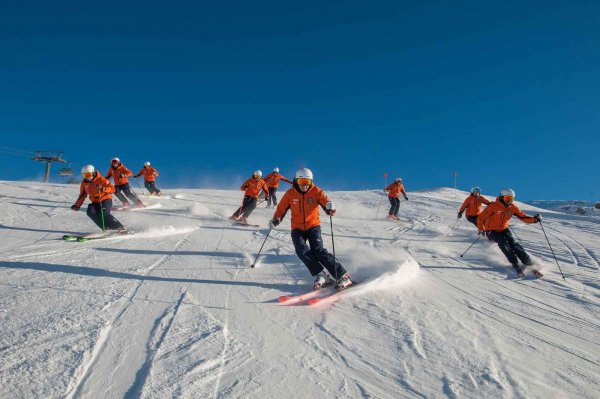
149	178
472	205
120	175
493	222
303	199
272	180
251	188
100	192
394	196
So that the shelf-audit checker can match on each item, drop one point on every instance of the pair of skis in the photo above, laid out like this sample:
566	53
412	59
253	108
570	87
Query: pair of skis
98	236
326	294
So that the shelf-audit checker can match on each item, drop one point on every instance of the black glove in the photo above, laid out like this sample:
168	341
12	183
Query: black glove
74	207
406	198
538	217
459	215
267	198
481	233
274	223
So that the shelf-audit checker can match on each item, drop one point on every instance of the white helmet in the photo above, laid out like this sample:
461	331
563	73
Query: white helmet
507	191
398	179
303	173
87	169
115	159
276	170
257	173
147	163
475	189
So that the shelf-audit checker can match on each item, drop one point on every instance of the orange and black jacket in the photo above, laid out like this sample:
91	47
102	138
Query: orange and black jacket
252	187
304	206
495	216
120	174
272	179
99	189
149	173
473	205
395	189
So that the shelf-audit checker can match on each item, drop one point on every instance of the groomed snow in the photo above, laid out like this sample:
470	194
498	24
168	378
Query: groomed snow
174	311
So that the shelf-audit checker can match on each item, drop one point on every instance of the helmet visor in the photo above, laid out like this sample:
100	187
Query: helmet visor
304	181
508	198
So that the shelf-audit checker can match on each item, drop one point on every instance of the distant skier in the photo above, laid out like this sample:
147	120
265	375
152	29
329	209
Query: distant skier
251	188
493	222
100	192
272	180
472	205
149	178
120	175
303	200
394	190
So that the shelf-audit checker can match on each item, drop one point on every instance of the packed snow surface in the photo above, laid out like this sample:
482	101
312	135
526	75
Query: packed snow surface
174	311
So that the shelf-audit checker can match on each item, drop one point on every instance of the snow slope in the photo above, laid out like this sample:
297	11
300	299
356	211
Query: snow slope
175	310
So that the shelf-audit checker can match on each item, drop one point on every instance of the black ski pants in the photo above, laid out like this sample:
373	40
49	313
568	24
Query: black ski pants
151	186
247	207
124	190
94	211
395	205
509	247
272	197
472	219
313	255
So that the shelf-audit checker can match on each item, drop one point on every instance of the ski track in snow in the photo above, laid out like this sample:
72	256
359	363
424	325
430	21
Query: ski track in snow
175	311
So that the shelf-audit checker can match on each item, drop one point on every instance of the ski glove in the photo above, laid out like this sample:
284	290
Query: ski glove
459	215
274	223
266	198
330	208
406	198
481	233
74	207
538	218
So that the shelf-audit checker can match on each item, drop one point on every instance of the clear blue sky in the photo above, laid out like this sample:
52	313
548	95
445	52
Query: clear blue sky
507	94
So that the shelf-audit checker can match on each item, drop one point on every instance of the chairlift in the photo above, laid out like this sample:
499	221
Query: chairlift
66	172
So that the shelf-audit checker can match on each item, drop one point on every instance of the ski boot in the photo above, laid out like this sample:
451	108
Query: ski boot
519	271
343	282
322	280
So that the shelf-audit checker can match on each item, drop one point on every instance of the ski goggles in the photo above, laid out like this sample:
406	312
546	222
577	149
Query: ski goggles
257	176
304	181
508	198
88	175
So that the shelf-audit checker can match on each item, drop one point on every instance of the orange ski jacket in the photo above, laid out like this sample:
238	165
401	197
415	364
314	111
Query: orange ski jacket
495	216
252	187
395	189
120	174
149	173
472	205
99	189
272	179
304	207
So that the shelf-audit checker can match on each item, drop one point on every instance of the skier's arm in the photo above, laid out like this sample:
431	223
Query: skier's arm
286	180
465	204
107	187
244	186
81	198
485	200
282	207
138	174
483	217
109	173
126	172
403	192
155	172
521	215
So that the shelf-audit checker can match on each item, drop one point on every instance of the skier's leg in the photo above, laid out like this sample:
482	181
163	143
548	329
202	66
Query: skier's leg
249	206
126	188
397	206
273	196
93	212
320	253
304	253
472	219
499	237
148	186
392	206
120	196
518	249
110	221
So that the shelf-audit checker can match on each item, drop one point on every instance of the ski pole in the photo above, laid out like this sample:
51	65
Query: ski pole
544	231
379	206
452	228
101	210
463	254
253	265
515	233
140	187
333	246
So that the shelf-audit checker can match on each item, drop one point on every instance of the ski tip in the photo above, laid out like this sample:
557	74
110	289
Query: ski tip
283	298
314	301
82	239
